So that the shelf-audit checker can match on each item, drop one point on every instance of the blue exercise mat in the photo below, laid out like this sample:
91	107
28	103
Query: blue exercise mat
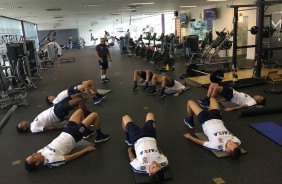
270	130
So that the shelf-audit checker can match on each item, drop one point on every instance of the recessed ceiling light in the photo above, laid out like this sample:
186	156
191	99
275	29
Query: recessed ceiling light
11	7
89	5
142	3
187	6
58	17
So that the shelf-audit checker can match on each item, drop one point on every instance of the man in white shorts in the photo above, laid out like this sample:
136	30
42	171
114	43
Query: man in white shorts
57	152
168	86
243	100
79	88
219	137
147	157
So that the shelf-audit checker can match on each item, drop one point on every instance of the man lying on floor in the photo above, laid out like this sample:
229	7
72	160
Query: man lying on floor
242	99
144	76
168	85
50	119
57	152
86	86
147	157
219	137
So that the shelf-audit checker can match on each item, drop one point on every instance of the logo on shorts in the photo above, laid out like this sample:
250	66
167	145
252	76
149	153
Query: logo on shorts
81	129
143	167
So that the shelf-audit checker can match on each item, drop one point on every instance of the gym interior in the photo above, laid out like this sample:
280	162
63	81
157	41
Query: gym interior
234	43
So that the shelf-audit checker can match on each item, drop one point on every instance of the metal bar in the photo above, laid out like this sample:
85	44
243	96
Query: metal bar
243	5
235	31
260	18
206	73
247	46
269	2
273	48
248	9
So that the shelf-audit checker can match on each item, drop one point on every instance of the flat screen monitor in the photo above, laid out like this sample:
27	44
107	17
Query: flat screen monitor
183	18
210	13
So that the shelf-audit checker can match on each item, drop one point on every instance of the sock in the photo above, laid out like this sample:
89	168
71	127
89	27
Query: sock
163	89
104	76
153	88
135	82
99	133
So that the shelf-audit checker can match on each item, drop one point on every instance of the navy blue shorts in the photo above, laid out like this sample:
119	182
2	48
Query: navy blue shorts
208	115
227	93
73	89
62	109
135	132
104	64
144	75
171	84
75	130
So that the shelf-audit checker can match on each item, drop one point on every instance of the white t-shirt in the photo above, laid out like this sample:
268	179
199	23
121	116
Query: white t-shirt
55	151
218	135
175	88
146	152
64	94
240	98
45	118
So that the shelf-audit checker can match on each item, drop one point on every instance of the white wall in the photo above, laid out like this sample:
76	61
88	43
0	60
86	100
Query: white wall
224	20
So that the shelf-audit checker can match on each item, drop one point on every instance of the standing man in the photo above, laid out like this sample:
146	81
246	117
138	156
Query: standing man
102	53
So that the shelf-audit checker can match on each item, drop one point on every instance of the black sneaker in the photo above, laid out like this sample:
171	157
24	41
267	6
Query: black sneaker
87	133
134	88
106	79
153	93
204	102
97	100
103	81
146	87
161	95
189	122
102	96
102	137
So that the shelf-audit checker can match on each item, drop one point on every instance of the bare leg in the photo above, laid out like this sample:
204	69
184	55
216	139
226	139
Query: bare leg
137	73
148	74
92	119
125	119
213	104
193	108
75	102
150	116
214	90
77	116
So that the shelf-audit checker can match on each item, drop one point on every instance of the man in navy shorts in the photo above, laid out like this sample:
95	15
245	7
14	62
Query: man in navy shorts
102	53
57	152
243	100
219	138
50	119
147	157
144	76
87	86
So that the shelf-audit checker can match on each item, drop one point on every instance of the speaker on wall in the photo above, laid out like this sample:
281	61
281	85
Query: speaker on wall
176	13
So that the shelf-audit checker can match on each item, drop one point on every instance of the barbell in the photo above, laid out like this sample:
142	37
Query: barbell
215	77
267	31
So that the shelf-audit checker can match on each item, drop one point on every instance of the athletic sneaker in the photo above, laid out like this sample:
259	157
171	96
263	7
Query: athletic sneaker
102	137
103	81
102	95
134	87
87	133
128	143
97	100
146	87
106	79
204	102
189	122
153	93
161	95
